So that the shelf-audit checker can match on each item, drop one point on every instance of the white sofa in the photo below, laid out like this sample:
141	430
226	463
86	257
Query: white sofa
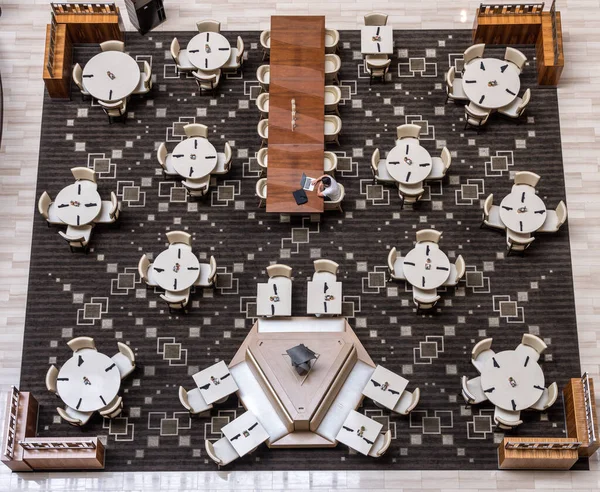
255	400
346	400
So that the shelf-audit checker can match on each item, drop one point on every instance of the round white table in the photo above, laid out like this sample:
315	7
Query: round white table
111	76
426	267
512	381
88	381
78	203
176	268
523	212
208	50
491	83
194	158
408	163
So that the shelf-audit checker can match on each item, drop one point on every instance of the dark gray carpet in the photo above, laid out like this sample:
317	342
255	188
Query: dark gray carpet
100	295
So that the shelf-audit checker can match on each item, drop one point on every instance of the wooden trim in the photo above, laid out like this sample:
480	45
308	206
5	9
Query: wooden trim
536	459
575	415
67	459
27	416
549	72
59	83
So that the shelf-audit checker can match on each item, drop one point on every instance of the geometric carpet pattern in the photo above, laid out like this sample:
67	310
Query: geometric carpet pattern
101	294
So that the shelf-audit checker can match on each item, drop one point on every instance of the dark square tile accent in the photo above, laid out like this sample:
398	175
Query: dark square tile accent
102	165
226	192
169	427
92	310
126	281
508	308
431	425
172	351
131	193
482	424
474	279
118	426
376	279
416	64
499	163
428	349
469	191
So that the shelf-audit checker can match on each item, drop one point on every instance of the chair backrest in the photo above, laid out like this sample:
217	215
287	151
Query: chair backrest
377	69
561	213
279	270
408	131
228	153
114	206
552	395
527	178
143	266
213	269
84	173
240	50
461	268
515	56
415	400
210	451
261	73
333	204
161	154
78	75
487	205
334	61
263	128
51	376
326	266
392	257
524	102
425	296
67	418
375	19
337	96
115	109
387	441
428	235
147	72
477	112
336	124
112	45
507	423
262	102
183	398
126	351
81	343
446	158
44	203
196	130
481	346
410	191
518	238
475	51
375	158
175	237
107	412
261	188
465	389
208	26
536	343
450	76
72	239
175	49
265	39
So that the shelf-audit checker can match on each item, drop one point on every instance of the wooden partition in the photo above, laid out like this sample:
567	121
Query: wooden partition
537	453
21	422
63	453
58	60
297	73
580	410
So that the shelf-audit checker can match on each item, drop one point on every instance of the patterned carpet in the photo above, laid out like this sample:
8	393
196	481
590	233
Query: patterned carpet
101	295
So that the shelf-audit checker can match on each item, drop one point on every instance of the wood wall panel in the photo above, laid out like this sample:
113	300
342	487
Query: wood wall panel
536	459
575	416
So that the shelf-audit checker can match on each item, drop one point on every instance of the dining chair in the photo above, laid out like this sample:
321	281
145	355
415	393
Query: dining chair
109	210
262	158
408	131
335	205
376	19
506	419
473	52
377	66
81	344
332	128
333	96
221	451
262	103
379	169
263	75
440	165
472	391
515	58
176	301
73	416
263	132
146	272
491	215
548	398
166	161
407	402
325	269
208	274
113	409
115	110
125	359
83	174
193	401
395	265
265	43
332	39
554	219
381	444
476	116
526	178
481	353
333	63
410	193
145	83
112	45
425	299
78	237
197	188
517	107
51	375
279	270
77	76
516	241
208	80
194	130
330	162
429	237
261	192
179	238
236	58
223	160
47	208
208	26
531	346
454	87
457	272
181	57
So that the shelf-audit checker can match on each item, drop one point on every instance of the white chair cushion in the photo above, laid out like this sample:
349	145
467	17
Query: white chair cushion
511	109
526	350
104	217
197	402
232	62
170	168
346	400
474	387
494	219
324	276
225	451
482	358
151	276
123	363
221	161
399	268
76	414
203	277
383	173
458	91
184	61
551	222
437	168
256	401
53	215
377	445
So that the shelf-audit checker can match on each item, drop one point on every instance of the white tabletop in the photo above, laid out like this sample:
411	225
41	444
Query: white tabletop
245	433
278	287
426	267
359	432
209	50
194	158
408	163
97	76
176	268
88	381
527	376
318	302
482	72
215	382
78	203
369	46
385	387
523	212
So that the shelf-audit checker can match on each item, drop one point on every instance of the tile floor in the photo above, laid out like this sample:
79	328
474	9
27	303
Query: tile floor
21	53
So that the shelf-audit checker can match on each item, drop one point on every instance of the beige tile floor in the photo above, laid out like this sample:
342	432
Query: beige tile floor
22	30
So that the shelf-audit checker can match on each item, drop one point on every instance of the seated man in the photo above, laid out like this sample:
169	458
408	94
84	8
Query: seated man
328	188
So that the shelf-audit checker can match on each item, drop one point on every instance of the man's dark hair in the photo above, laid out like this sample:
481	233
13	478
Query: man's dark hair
326	181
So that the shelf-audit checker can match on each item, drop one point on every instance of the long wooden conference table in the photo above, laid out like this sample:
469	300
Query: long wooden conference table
297	72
